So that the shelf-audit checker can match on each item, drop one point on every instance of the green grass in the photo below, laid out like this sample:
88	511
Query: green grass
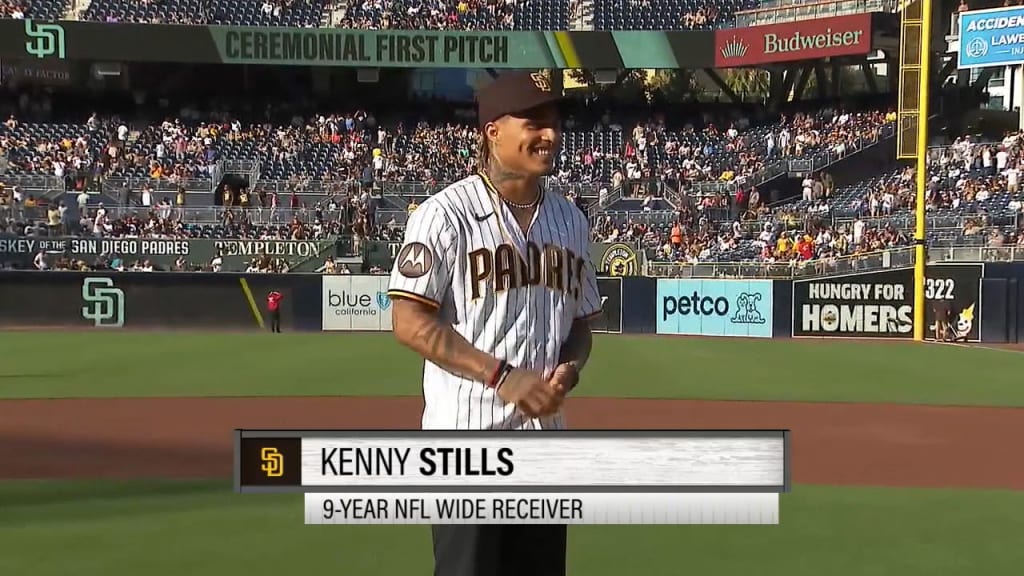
201	528
117	364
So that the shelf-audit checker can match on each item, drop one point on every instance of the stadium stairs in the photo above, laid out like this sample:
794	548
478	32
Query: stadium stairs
581	15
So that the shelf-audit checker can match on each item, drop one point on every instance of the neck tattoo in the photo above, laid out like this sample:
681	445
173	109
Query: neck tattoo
497	177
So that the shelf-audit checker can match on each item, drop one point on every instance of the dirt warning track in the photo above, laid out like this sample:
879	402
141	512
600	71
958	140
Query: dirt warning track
842	444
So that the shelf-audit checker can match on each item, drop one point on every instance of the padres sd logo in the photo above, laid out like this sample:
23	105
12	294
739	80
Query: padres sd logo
619	260
273	462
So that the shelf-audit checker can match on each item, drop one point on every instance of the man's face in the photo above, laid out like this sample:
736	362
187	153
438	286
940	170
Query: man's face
528	142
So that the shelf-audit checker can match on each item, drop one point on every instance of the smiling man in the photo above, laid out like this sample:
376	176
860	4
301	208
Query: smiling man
494	288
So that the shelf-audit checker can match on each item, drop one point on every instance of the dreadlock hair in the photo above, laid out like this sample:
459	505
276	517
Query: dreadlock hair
483	155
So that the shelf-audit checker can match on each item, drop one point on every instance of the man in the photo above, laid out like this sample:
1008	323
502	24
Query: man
494	288
943	314
274	307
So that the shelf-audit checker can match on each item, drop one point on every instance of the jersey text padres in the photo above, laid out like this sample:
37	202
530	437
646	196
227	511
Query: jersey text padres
511	293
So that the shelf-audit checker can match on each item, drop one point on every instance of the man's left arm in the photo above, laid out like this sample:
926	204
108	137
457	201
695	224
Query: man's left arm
576	349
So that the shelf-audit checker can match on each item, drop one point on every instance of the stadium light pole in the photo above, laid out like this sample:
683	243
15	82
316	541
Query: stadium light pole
920	232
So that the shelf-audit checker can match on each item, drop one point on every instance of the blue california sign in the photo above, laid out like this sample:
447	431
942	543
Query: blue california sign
992	37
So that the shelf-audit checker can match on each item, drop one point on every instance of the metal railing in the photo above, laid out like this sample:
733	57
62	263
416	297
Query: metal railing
161	185
908	221
240	166
217	214
820	160
976	254
895	258
32	183
310	187
776	11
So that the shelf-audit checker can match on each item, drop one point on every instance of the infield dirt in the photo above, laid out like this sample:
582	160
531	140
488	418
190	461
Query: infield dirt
838	444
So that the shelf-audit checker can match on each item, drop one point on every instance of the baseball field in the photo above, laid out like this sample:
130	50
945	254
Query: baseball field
115	452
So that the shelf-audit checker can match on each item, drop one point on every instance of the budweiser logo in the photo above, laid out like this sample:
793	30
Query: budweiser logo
797	42
734	48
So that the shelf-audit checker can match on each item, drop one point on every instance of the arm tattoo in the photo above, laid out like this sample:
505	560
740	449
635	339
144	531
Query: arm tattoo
442	345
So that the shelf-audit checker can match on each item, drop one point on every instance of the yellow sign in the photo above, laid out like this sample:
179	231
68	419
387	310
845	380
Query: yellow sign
619	260
273	462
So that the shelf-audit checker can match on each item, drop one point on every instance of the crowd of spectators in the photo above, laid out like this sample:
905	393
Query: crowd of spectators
348	150
357	150
391	14
425	15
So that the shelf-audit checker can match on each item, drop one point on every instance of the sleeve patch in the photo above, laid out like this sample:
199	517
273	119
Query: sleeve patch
414	260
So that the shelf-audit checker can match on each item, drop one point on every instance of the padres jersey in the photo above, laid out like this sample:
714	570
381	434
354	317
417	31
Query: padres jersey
511	293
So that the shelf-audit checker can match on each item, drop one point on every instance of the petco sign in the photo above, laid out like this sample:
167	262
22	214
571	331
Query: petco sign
793	41
715	307
353	303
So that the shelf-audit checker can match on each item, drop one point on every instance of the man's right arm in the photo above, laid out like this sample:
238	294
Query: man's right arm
420	283
421	279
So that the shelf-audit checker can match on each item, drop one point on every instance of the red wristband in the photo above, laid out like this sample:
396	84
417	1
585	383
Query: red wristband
499	374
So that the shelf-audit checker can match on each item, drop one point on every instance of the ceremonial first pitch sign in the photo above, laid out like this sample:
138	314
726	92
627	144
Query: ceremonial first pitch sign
537	477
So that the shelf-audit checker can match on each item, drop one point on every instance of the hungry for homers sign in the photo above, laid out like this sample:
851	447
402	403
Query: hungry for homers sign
881	304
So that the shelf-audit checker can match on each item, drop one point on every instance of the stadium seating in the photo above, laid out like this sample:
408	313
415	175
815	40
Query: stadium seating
38	9
668	14
297	13
399	14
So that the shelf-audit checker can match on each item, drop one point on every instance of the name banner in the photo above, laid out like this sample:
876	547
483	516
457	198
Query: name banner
990	38
881	304
542	508
356	303
459	461
715	307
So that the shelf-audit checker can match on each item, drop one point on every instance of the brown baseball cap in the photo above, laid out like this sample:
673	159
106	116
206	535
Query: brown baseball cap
513	92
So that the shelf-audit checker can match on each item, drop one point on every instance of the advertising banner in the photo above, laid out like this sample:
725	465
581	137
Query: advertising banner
616	258
881	304
611	305
284	46
146	300
356	303
793	41
163	252
715	307
991	37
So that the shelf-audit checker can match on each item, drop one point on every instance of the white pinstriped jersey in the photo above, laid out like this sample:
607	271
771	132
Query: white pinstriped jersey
511	296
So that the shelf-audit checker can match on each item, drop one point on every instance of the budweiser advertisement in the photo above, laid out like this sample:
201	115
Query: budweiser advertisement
793	41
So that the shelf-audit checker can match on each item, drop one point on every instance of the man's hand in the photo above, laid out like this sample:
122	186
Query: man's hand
564	378
528	390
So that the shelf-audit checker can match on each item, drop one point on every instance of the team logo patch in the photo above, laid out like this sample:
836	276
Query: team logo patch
619	260
540	80
414	260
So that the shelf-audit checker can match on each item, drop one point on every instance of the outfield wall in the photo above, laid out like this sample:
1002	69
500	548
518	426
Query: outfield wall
155	300
985	300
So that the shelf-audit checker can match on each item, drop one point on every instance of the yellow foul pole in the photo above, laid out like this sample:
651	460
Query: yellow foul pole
912	132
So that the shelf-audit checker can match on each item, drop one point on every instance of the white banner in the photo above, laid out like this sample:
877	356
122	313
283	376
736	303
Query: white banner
542	508
519	460
354	303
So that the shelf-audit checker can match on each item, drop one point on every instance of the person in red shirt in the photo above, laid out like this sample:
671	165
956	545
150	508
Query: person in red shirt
274	306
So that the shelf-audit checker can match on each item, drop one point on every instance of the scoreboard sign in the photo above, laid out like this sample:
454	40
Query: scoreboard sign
881	304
